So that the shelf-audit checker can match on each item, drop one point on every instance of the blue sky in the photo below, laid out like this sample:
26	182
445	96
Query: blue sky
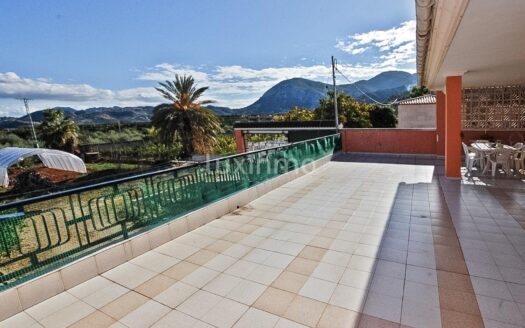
112	52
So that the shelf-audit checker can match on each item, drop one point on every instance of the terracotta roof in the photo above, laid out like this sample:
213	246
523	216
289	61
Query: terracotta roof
422	100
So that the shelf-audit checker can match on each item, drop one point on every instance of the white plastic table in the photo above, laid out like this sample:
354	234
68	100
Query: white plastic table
485	149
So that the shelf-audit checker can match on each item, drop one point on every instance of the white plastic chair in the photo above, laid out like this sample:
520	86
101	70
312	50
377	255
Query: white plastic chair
470	157
518	157
500	157
518	145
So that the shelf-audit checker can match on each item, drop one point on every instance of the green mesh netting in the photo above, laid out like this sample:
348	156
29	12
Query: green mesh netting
43	235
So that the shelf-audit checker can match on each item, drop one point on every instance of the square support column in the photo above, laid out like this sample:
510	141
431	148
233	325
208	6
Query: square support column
239	141
453	102
440	123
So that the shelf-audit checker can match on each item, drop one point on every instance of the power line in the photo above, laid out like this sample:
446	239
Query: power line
364	93
334	63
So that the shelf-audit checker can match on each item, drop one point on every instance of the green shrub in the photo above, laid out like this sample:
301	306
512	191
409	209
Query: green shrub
110	136
9	139
160	152
225	145
383	117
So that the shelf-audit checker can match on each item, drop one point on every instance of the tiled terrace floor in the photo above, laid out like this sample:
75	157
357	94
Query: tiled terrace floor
351	244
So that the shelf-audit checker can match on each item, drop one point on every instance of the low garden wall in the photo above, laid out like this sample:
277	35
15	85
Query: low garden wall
399	141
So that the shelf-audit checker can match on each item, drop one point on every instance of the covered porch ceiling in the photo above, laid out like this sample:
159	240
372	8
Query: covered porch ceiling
482	40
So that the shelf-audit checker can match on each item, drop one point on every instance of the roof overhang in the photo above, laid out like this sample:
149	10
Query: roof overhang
481	40
429	99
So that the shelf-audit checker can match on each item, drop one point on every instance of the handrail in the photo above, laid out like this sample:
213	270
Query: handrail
22	202
51	230
306	125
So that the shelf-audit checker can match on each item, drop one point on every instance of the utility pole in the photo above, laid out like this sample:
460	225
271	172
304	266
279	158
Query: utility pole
26	104
335	96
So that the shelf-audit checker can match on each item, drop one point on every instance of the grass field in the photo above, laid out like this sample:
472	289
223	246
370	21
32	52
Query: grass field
95	167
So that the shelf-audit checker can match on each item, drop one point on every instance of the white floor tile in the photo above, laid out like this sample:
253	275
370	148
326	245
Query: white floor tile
129	275
417	315
175	319
383	306
225	313
349	298
200	277
254	318
246	292
491	288
106	295
500	310
146	315
199	304
328	272
222	284
67	315
318	289
175	294
52	305
421	275
154	261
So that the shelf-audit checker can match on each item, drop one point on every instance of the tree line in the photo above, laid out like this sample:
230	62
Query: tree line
180	127
184	126
352	113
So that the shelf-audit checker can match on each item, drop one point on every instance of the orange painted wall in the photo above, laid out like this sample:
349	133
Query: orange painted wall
413	141
453	126
239	141
400	141
440	122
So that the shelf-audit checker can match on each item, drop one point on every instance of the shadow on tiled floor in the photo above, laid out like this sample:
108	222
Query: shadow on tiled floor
364	241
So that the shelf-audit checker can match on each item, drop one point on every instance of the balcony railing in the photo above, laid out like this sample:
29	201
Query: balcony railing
42	233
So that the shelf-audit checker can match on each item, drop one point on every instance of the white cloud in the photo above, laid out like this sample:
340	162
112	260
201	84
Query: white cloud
350	47
47	94
166	71
233	86
13	86
237	86
405	54
397	41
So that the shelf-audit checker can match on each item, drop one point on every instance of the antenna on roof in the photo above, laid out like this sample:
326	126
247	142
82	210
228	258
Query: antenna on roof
26	104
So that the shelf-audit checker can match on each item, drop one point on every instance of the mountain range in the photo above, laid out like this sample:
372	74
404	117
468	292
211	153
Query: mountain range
284	95
280	98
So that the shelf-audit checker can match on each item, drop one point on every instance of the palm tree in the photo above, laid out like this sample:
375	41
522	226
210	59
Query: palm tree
57	131
184	118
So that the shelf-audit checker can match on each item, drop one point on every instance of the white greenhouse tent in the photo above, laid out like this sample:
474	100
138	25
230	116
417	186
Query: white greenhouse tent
55	159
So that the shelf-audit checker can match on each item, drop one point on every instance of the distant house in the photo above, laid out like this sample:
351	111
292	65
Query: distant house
419	112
